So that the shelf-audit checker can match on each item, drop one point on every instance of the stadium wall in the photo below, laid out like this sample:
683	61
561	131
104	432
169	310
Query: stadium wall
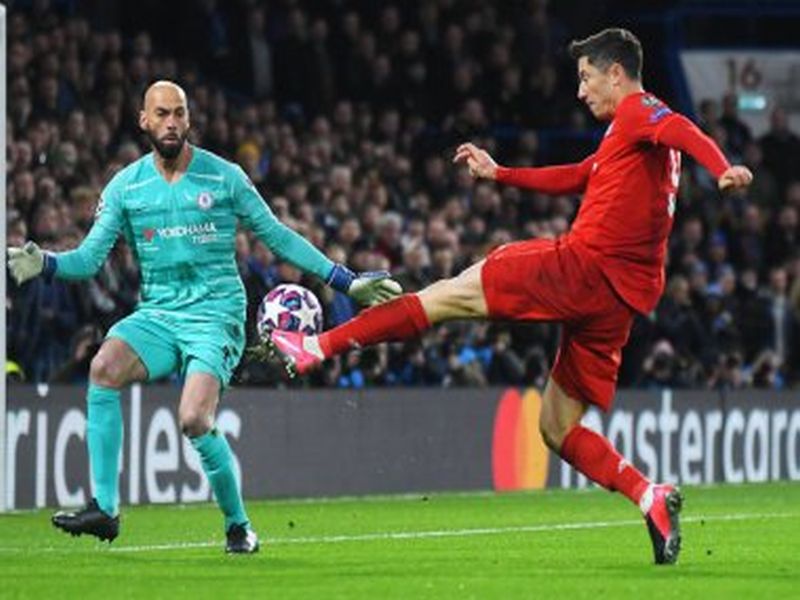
335	442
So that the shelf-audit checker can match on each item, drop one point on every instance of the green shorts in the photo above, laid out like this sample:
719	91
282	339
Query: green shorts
167	343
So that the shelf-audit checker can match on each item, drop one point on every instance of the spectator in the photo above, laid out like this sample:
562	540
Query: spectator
505	365
678	322
414	273
748	250
662	368
737	132
781	148
764	189
708	114
252	56
784	236
782	333
753	314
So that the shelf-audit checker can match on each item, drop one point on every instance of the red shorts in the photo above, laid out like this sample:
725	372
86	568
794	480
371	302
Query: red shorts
561	280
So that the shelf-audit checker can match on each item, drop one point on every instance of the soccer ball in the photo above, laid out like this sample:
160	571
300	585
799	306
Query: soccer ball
289	307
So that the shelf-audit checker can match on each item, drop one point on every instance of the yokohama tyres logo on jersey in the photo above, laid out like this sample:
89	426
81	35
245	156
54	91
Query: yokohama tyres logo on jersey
184	230
201	233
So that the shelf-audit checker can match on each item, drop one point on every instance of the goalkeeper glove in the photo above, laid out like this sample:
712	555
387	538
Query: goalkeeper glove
29	261
368	288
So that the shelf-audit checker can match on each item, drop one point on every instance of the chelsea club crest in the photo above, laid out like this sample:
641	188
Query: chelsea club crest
205	200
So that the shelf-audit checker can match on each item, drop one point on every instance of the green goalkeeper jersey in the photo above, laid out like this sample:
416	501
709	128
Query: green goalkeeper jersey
183	235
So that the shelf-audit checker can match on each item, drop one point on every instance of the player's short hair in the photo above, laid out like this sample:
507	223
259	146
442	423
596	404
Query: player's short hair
610	46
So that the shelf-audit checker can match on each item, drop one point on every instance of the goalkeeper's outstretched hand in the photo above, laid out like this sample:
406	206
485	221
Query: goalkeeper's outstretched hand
25	263
368	288
374	287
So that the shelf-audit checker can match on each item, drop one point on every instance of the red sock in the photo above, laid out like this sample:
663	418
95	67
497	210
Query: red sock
594	456
395	320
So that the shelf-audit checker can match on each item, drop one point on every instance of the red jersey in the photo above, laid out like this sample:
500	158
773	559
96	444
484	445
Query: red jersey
630	187
626	212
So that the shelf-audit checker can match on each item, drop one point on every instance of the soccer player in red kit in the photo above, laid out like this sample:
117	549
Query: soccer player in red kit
593	279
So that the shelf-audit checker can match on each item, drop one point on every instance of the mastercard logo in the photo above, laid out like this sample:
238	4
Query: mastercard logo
519	454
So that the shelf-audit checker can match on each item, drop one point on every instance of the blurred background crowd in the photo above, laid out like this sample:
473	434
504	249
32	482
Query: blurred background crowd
345	114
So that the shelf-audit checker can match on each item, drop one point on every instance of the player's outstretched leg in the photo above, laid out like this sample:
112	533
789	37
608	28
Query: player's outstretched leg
104	438
395	320
408	316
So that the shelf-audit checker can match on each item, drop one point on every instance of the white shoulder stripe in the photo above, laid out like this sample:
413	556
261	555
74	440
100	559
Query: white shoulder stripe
138	184
206	176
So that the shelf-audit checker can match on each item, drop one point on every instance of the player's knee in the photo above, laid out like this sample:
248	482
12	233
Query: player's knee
107	372
436	290
194	422
468	296
450	298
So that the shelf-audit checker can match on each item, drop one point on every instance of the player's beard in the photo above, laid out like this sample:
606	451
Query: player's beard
168	151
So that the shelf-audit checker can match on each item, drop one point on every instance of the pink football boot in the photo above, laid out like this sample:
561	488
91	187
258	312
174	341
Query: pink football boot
661	515
288	347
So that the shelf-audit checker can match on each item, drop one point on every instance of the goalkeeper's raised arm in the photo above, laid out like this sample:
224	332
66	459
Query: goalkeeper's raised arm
366	288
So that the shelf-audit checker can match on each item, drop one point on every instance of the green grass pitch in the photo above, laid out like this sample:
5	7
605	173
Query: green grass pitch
739	541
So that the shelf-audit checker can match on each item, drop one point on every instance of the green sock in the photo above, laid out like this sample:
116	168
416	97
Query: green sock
215	456
104	438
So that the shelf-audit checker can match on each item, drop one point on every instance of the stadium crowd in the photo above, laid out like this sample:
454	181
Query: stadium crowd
345	116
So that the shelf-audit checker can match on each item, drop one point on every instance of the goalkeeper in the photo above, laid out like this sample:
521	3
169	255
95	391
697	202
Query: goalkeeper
178	208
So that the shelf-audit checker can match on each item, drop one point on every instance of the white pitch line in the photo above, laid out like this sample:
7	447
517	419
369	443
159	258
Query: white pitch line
419	535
